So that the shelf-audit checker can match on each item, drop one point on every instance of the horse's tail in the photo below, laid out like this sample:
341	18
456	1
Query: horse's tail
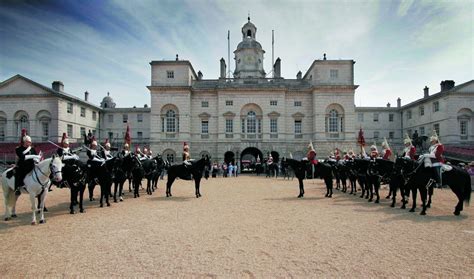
467	189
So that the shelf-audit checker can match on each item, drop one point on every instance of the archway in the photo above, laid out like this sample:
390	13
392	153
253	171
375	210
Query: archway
248	158
276	156
229	157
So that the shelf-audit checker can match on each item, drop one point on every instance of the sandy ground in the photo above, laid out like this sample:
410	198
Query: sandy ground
242	227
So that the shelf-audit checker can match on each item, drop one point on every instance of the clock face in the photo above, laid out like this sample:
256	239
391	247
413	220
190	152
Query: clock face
249	59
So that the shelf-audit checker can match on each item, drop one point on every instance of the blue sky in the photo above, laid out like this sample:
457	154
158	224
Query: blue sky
106	46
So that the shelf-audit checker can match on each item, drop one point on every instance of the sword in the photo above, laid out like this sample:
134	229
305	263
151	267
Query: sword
54	144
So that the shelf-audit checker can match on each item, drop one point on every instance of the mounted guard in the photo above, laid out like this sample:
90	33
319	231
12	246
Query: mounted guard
186	155
386	151
27	157
434	158
409	150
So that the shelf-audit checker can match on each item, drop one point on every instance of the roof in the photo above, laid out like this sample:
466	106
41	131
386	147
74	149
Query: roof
334	62
438	95
59	93
174	62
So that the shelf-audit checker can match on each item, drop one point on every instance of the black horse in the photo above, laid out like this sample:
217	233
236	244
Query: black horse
321	170
351	174
74	177
137	175
360	167
390	173
122	171
103	174
184	172
420	178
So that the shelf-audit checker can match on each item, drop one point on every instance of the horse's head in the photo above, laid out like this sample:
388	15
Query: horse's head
56	167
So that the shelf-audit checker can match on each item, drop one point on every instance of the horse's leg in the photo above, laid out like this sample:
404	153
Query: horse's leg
393	189
116	186
196	186
7	200
73	193
82	189
42	203
108	191
121	190
377	188
430	194
329	185
423	195
33	207
370	188
168	185
91	186
300	181
414	193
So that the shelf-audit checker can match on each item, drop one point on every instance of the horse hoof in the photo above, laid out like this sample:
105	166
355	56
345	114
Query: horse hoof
121	199
377	201
72	212
115	201
428	205
42	221
7	219
403	207
330	196
387	197
412	210
101	205
456	213
422	213
14	215
33	223
392	205
370	200
108	204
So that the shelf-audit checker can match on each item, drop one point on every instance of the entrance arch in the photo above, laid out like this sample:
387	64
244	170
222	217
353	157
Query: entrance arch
229	157
248	157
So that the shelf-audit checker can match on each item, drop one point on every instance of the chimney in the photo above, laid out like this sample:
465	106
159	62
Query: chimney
145	106
324	57
199	75
426	91
58	86
223	68
388	105
447	84
399	103
86	96
298	75
176	57
277	68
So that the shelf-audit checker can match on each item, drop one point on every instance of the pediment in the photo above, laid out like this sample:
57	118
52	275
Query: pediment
19	85
297	116
204	115
229	114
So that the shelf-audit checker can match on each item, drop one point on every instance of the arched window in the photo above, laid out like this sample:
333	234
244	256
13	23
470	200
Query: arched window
251	122
170	121
333	121
249	34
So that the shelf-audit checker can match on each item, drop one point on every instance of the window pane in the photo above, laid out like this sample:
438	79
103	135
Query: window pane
229	126
251	122
273	125
204	127
333	121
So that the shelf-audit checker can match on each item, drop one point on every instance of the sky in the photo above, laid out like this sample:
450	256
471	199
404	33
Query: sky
106	46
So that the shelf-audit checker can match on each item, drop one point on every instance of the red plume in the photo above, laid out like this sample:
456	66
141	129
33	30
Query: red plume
361	139
106	141
63	138
128	139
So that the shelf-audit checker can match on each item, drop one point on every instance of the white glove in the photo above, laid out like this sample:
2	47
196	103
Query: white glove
35	158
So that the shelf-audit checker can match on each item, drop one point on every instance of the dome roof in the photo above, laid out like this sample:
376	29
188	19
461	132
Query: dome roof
107	102
249	25
249	43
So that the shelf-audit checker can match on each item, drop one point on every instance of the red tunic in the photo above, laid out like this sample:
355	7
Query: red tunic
312	157
387	154
410	152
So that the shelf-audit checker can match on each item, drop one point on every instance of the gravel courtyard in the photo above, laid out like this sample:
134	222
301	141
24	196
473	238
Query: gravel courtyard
242	227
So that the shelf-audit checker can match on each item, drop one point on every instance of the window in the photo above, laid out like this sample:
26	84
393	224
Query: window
3	124
436	106
390	117
273	103
94	115
124	118
333	120
45	128
333	74
274	125
111	118
376	117
409	132
463	129
170	157
243	125
170	74
69	131
205	104
251	122
111	136
83	112
391	135
376	135
436	128
170	121
422	110
408	114
69	108
298	129
229	126
205	127
140	135
422	130
360	117
297	103
229	103
83	131
139	117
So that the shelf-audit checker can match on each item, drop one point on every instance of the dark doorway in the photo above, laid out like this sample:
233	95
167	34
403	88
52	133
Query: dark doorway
229	157
276	156
248	158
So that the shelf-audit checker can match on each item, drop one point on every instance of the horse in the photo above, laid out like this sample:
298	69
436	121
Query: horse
137	175
352	175
321	170
184	172
122	171
360	167
36	184
74	177
419	177
391	173
103	173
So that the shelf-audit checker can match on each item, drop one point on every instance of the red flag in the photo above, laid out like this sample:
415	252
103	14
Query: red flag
128	139
361	139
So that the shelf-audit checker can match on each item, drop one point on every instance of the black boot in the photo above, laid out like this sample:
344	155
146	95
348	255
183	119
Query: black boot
17	186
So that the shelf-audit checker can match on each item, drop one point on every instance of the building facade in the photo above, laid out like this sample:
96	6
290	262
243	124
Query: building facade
246	116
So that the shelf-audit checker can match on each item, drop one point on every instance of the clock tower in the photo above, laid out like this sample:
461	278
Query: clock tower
249	54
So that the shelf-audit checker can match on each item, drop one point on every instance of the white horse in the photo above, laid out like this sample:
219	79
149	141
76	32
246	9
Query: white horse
36	184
